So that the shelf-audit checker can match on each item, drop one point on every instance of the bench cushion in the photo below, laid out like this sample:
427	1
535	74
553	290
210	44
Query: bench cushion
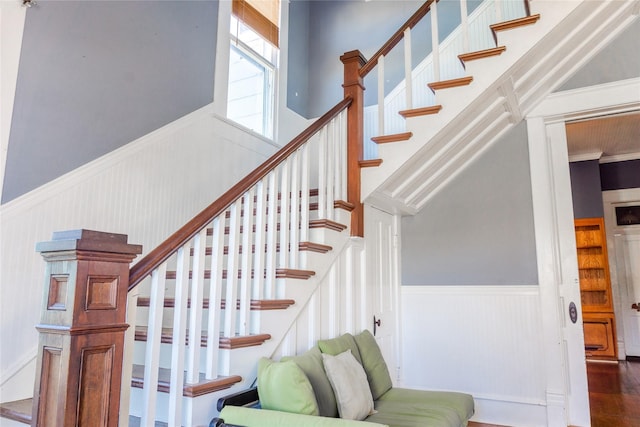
238	415
311	363
401	407
373	364
335	346
283	386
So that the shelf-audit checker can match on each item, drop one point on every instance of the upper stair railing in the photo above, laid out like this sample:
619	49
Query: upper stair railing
400	85
226	259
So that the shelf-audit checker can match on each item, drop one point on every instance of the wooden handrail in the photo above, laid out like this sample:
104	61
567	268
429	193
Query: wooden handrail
161	253
395	39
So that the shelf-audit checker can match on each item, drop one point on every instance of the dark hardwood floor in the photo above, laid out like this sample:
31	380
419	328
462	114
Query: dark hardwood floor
614	394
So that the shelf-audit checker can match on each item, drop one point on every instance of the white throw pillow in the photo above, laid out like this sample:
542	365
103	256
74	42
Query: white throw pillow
350	385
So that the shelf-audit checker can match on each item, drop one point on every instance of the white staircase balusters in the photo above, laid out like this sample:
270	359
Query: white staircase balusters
215	297
408	69
294	212
285	185
272	236
257	290
231	291
464	26
498	4
435	42
381	105
304	196
179	335
152	353
195	314
231	260
442	63
246	264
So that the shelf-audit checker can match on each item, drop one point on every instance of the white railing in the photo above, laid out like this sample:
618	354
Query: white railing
473	34
234	258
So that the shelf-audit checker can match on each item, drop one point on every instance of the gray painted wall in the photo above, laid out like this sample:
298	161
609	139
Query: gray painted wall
96	75
479	230
585	189
298	59
332	28
619	60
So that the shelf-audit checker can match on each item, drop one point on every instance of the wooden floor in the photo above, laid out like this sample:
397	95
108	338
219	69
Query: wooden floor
614	395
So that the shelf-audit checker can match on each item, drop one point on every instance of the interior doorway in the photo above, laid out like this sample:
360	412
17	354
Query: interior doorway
567	399
603	153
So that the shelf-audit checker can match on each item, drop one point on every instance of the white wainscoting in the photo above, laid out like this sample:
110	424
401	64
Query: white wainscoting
482	340
146	189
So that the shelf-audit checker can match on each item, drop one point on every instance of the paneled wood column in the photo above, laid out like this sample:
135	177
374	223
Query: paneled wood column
354	89
82	326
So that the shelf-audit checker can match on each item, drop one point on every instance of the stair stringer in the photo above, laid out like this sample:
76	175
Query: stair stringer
505	88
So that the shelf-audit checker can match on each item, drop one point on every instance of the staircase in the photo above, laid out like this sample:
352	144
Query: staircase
233	282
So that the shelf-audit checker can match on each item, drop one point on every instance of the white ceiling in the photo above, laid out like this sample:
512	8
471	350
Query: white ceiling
608	138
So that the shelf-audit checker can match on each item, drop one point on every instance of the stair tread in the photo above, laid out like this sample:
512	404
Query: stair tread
18	410
415	112
446	84
514	23
479	54
166	337
302	246
372	163
280	272
395	137
327	223
272	304
203	386
135	422
343	204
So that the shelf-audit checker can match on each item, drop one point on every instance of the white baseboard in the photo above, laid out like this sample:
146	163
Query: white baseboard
508	413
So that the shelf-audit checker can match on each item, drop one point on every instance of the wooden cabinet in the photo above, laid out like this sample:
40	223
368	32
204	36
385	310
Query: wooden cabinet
595	289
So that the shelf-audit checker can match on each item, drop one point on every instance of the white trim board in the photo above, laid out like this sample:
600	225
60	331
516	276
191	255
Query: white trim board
588	102
554	233
609	200
12	19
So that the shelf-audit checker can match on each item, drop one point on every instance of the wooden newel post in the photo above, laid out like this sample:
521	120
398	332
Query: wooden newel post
82	326
354	88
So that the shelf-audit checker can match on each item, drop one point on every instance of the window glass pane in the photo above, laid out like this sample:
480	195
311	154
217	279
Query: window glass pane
250	97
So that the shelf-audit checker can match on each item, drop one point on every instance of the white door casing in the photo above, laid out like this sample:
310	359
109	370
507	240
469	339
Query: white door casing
381	231
567	397
627	246
623	244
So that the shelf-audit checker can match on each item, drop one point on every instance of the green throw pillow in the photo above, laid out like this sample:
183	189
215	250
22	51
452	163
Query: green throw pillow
283	386
339	345
374	364
311	364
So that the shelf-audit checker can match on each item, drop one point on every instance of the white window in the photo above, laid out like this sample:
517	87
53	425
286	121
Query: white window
253	62
252	65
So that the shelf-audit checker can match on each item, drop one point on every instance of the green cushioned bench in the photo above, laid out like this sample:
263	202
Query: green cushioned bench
311	390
